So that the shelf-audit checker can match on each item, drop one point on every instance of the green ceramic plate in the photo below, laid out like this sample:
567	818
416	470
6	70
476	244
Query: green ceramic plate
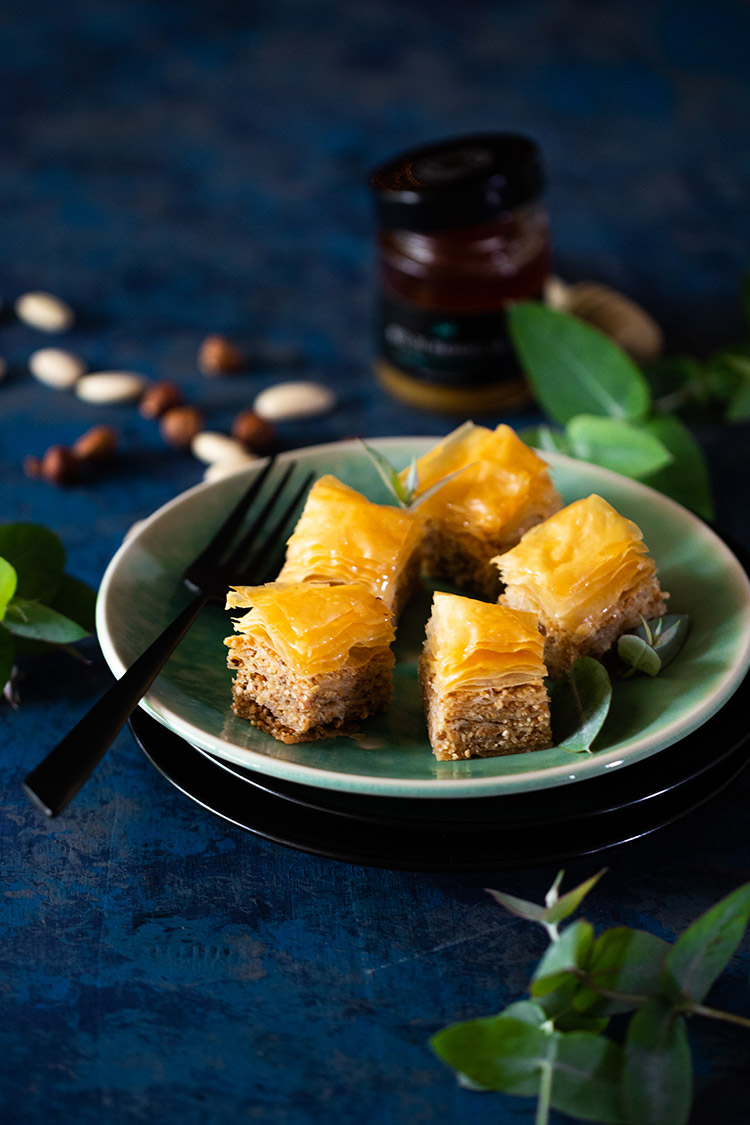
141	592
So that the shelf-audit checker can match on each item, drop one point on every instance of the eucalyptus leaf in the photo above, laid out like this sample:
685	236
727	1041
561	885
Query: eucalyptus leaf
575	369
76	600
566	904
686	478
579	704
738	408
617	445
37	555
497	1052
701	953
570	952
521	907
34	621
622	960
6	656
657	1076
665	635
587	1078
388	474
639	654
8	583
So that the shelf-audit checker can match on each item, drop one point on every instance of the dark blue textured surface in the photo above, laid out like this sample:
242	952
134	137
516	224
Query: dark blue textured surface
174	169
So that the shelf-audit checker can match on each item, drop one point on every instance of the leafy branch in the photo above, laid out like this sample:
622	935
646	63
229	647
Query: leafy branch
552	1046
41	607
603	406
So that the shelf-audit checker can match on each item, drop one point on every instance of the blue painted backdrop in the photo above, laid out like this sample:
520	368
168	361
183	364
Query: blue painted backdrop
174	169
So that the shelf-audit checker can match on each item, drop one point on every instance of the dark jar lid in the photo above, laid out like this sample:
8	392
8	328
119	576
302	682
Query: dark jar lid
457	182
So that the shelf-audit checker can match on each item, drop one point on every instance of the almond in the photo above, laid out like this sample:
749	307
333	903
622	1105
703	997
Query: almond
56	368
44	311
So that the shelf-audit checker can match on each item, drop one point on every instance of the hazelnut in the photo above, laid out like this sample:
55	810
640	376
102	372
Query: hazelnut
179	425
59	465
219	356
159	398
97	444
254	432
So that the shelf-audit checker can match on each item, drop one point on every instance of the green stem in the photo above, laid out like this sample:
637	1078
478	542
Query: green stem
544	1100
716	1014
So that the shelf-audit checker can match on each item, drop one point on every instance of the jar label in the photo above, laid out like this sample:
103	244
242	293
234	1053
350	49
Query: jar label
446	348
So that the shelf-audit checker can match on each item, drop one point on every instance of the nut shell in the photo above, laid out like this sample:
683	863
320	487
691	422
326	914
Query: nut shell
97	445
219	356
158	398
256	434
179	425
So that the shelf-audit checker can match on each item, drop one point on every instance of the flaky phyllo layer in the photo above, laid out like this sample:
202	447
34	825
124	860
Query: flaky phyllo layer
314	629
578	564
341	537
501	482
474	644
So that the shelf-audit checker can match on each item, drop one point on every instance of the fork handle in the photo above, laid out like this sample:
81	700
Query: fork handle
57	779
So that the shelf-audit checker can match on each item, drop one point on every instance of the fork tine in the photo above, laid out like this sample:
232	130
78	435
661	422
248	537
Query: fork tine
239	552
212	552
262	566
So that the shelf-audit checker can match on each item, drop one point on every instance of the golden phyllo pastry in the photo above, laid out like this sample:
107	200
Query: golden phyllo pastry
500	489
587	574
343	537
310	661
481	675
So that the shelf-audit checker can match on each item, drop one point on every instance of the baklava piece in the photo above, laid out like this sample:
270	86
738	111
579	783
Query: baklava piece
586	573
481	674
341	537
498	489
310	661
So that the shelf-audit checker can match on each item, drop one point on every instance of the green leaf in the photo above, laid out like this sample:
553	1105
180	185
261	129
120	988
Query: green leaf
76	600
37	555
8	583
686	478
6	656
521	907
657	1077
622	960
700	953
388	474
639	654
34	621
566	904
618	445
546	439
575	369
568	953
496	1052
579	703
587	1078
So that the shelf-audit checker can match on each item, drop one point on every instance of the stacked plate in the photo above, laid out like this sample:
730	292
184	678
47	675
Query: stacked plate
668	744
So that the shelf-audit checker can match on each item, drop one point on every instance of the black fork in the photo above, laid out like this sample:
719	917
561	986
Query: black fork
230	559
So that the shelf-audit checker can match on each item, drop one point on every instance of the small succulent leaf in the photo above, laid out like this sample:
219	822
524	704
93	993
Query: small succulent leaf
738	407
567	904
638	654
686	479
8	584
37	555
657	1072
671	637
553	894
703	950
496	1052
575	369
76	600
579	704
388	474
411	483
37	622
587	1077
568	953
521	907
626	961
617	445
546	439
6	656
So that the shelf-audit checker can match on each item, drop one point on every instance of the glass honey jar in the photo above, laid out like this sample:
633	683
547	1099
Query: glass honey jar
463	232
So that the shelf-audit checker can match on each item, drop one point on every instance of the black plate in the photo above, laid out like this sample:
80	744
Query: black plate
464	834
